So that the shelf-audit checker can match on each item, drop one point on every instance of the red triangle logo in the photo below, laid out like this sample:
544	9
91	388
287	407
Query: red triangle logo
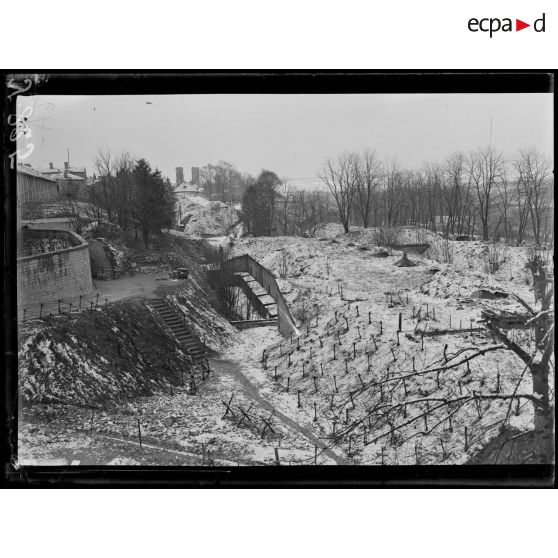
519	25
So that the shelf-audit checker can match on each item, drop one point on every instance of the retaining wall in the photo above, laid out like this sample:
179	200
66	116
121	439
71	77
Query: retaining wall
62	274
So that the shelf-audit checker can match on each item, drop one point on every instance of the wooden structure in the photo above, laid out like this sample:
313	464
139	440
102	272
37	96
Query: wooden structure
504	319
239	268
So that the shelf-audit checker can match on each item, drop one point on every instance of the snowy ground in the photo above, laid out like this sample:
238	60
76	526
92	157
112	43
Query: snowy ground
317	392
184	428
352	300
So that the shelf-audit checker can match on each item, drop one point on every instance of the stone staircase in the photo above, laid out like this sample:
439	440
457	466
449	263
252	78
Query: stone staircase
172	319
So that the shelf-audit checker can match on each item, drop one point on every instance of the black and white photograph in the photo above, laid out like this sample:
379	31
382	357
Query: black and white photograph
237	279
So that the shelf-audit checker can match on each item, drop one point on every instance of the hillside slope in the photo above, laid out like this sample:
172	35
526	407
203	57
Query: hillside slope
93	358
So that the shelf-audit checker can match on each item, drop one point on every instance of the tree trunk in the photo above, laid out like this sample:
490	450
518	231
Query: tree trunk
544	415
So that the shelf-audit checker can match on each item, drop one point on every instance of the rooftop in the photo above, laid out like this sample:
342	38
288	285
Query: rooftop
24	169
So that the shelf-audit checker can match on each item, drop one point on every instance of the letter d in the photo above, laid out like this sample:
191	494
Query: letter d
535	25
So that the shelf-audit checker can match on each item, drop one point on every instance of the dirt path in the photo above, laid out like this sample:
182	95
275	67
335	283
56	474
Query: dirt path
233	370
140	286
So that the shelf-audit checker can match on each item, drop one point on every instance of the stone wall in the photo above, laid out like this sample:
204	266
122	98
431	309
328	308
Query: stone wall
62	274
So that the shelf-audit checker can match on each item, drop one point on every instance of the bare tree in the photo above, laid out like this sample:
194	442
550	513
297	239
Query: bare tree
455	195
503	202
340	177
433	179
538	362
309	211
368	173
534	172
284	202
486	168
393	193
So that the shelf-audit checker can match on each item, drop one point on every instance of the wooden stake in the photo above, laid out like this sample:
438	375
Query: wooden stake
139	432
298	399
335	383
369	318
315	413
498	379
277	462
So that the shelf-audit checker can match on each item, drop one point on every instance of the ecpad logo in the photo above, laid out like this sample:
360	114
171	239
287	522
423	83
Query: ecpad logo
493	25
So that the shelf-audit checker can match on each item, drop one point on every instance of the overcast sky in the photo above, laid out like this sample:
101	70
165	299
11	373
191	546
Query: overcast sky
289	134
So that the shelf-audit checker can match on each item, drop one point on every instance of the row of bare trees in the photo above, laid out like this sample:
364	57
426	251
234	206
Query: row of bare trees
477	193
224	182
300	212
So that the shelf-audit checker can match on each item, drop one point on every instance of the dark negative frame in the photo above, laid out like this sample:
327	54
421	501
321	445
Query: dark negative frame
171	82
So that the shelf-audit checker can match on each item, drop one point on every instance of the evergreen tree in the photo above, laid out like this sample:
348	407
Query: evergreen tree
153	200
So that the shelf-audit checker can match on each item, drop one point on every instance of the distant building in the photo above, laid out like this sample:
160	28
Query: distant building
179	175
52	170
70	179
31	186
195	176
